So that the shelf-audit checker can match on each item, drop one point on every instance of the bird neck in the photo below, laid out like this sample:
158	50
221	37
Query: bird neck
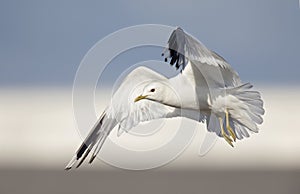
181	94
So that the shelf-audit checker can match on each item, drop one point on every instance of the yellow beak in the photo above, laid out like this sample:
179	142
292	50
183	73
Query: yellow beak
139	98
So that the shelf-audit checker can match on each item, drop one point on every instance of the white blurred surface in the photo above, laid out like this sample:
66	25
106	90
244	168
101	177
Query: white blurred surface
38	130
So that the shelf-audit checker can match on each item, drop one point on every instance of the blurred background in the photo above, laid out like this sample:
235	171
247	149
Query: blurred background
42	44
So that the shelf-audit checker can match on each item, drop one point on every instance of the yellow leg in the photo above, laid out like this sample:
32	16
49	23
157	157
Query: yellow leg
229	129
225	136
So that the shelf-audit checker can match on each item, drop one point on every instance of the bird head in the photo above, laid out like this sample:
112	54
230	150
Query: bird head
154	91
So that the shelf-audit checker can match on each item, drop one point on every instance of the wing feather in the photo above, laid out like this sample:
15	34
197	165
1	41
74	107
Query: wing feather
123	111
184	50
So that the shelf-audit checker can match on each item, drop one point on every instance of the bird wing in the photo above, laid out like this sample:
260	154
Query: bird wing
206	70
123	111
191	56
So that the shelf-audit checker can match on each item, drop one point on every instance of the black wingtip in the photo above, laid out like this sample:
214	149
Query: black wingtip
84	157
68	168
92	159
71	163
82	150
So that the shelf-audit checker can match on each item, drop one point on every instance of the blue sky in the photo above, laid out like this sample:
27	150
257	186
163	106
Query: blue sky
43	42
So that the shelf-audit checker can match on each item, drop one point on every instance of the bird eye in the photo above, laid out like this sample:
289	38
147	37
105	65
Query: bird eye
152	90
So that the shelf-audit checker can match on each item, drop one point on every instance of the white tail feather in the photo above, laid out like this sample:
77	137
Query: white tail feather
245	108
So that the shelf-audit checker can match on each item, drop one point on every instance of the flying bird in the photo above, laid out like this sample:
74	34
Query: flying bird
206	89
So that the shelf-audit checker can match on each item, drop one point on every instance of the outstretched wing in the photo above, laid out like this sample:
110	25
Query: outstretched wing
191	55
123	111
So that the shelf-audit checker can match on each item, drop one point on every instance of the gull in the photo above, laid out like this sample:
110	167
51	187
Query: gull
206	89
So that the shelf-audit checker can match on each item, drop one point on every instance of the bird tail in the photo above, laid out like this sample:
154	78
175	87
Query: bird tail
97	136
245	108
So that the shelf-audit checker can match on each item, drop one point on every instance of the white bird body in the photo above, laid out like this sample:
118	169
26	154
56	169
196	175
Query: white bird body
207	89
